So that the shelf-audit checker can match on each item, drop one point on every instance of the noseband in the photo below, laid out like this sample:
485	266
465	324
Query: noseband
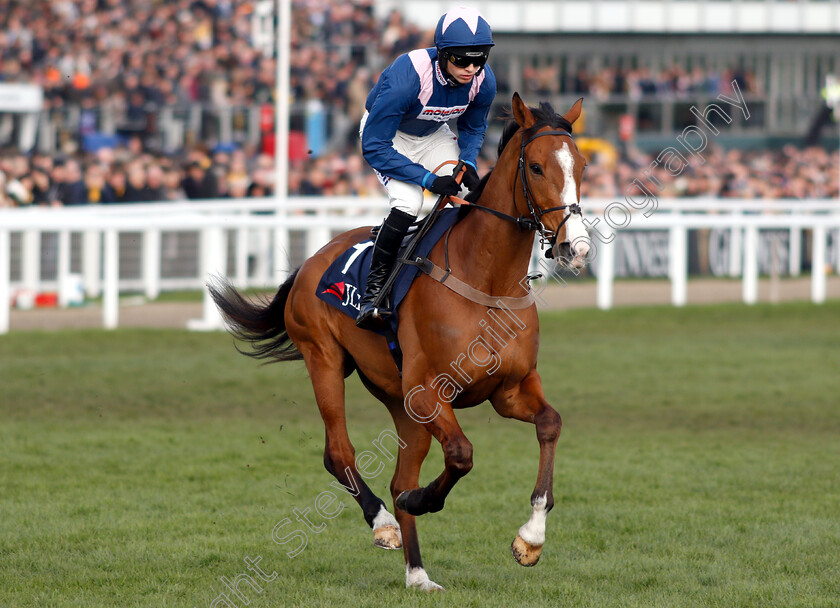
533	222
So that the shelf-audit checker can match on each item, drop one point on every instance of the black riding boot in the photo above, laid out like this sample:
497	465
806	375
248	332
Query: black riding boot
391	234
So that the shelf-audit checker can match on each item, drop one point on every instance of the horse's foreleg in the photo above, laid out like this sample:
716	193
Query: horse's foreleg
527	403
407	475
440	421
339	454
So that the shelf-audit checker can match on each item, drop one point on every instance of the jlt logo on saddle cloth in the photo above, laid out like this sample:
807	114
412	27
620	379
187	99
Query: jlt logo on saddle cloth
347	293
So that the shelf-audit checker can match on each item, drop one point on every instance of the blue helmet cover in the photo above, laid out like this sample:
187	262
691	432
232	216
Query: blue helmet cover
463	27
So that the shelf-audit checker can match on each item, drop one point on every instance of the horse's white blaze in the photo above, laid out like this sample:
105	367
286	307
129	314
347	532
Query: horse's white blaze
575	230
577	235
533	531
417	577
383	518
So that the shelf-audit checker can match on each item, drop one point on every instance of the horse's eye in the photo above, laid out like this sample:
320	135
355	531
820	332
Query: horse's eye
536	169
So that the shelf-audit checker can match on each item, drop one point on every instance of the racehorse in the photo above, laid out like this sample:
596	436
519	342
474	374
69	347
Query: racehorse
454	357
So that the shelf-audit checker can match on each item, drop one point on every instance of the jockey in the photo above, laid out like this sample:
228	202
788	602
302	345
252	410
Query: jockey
405	136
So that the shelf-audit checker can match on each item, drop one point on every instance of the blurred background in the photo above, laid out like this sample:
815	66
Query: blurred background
108	106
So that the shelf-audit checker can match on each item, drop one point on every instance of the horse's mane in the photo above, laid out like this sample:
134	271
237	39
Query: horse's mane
545	117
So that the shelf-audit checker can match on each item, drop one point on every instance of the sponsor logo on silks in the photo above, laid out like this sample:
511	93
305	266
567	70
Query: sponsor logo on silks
347	293
441	114
439	74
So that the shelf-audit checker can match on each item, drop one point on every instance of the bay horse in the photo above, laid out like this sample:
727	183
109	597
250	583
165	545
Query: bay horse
539	165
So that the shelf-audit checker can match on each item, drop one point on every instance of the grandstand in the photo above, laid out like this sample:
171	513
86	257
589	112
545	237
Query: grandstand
106	80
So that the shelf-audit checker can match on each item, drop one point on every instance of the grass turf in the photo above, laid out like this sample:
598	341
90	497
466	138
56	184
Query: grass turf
697	467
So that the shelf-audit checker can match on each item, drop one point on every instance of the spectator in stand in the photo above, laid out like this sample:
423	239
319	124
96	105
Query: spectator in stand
172	189
118	63
118	183
199	183
97	189
155	187
41	187
137	190
5	199
68	183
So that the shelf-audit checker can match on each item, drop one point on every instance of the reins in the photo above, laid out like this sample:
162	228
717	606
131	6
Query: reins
523	222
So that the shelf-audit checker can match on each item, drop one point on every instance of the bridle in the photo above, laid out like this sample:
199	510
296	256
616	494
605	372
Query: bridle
533	222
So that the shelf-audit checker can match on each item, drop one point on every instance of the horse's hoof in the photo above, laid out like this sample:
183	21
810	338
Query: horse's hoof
428	586
523	553
387	537
416	578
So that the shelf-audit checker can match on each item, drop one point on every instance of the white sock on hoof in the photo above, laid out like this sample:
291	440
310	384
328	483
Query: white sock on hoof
417	577
533	531
386	531
383	518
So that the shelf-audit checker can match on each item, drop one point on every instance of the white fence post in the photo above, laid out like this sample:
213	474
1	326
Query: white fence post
678	258
735	247
5	280
818	264
241	257
213	263
750	279
795	251
63	266
606	273
282	259
836	261
262	237
317	237
31	259
111	290
91	262
151	262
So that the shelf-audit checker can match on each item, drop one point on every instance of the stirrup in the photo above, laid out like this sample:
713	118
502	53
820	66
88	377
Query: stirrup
373	318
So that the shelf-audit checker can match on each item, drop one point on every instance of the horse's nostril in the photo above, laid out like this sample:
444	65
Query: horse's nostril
566	249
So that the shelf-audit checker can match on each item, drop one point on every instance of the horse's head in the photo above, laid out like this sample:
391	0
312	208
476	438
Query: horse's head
549	174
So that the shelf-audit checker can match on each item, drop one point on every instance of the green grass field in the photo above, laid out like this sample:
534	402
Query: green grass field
699	465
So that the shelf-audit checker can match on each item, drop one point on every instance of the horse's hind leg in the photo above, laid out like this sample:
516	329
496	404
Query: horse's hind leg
326	370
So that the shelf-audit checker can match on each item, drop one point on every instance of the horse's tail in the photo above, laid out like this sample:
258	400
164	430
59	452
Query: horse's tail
261	323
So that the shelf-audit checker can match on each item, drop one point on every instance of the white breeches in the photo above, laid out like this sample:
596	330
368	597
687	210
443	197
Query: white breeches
430	151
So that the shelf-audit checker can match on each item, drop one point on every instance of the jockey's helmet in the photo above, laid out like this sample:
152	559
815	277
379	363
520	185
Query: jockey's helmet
463	36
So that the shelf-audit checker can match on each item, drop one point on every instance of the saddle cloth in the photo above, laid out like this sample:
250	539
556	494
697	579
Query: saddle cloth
343	284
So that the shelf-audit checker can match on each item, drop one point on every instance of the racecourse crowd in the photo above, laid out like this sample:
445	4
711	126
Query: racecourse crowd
637	83
791	172
137	57
125	175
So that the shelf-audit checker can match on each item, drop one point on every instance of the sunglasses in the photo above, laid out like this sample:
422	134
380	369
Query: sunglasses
463	61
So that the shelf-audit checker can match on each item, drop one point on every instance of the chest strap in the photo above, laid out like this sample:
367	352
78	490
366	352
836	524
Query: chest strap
445	278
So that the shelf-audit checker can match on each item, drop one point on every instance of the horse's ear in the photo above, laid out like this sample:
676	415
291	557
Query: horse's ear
573	114
522	113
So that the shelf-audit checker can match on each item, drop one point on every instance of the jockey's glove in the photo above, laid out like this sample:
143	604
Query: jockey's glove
443	184
470	179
